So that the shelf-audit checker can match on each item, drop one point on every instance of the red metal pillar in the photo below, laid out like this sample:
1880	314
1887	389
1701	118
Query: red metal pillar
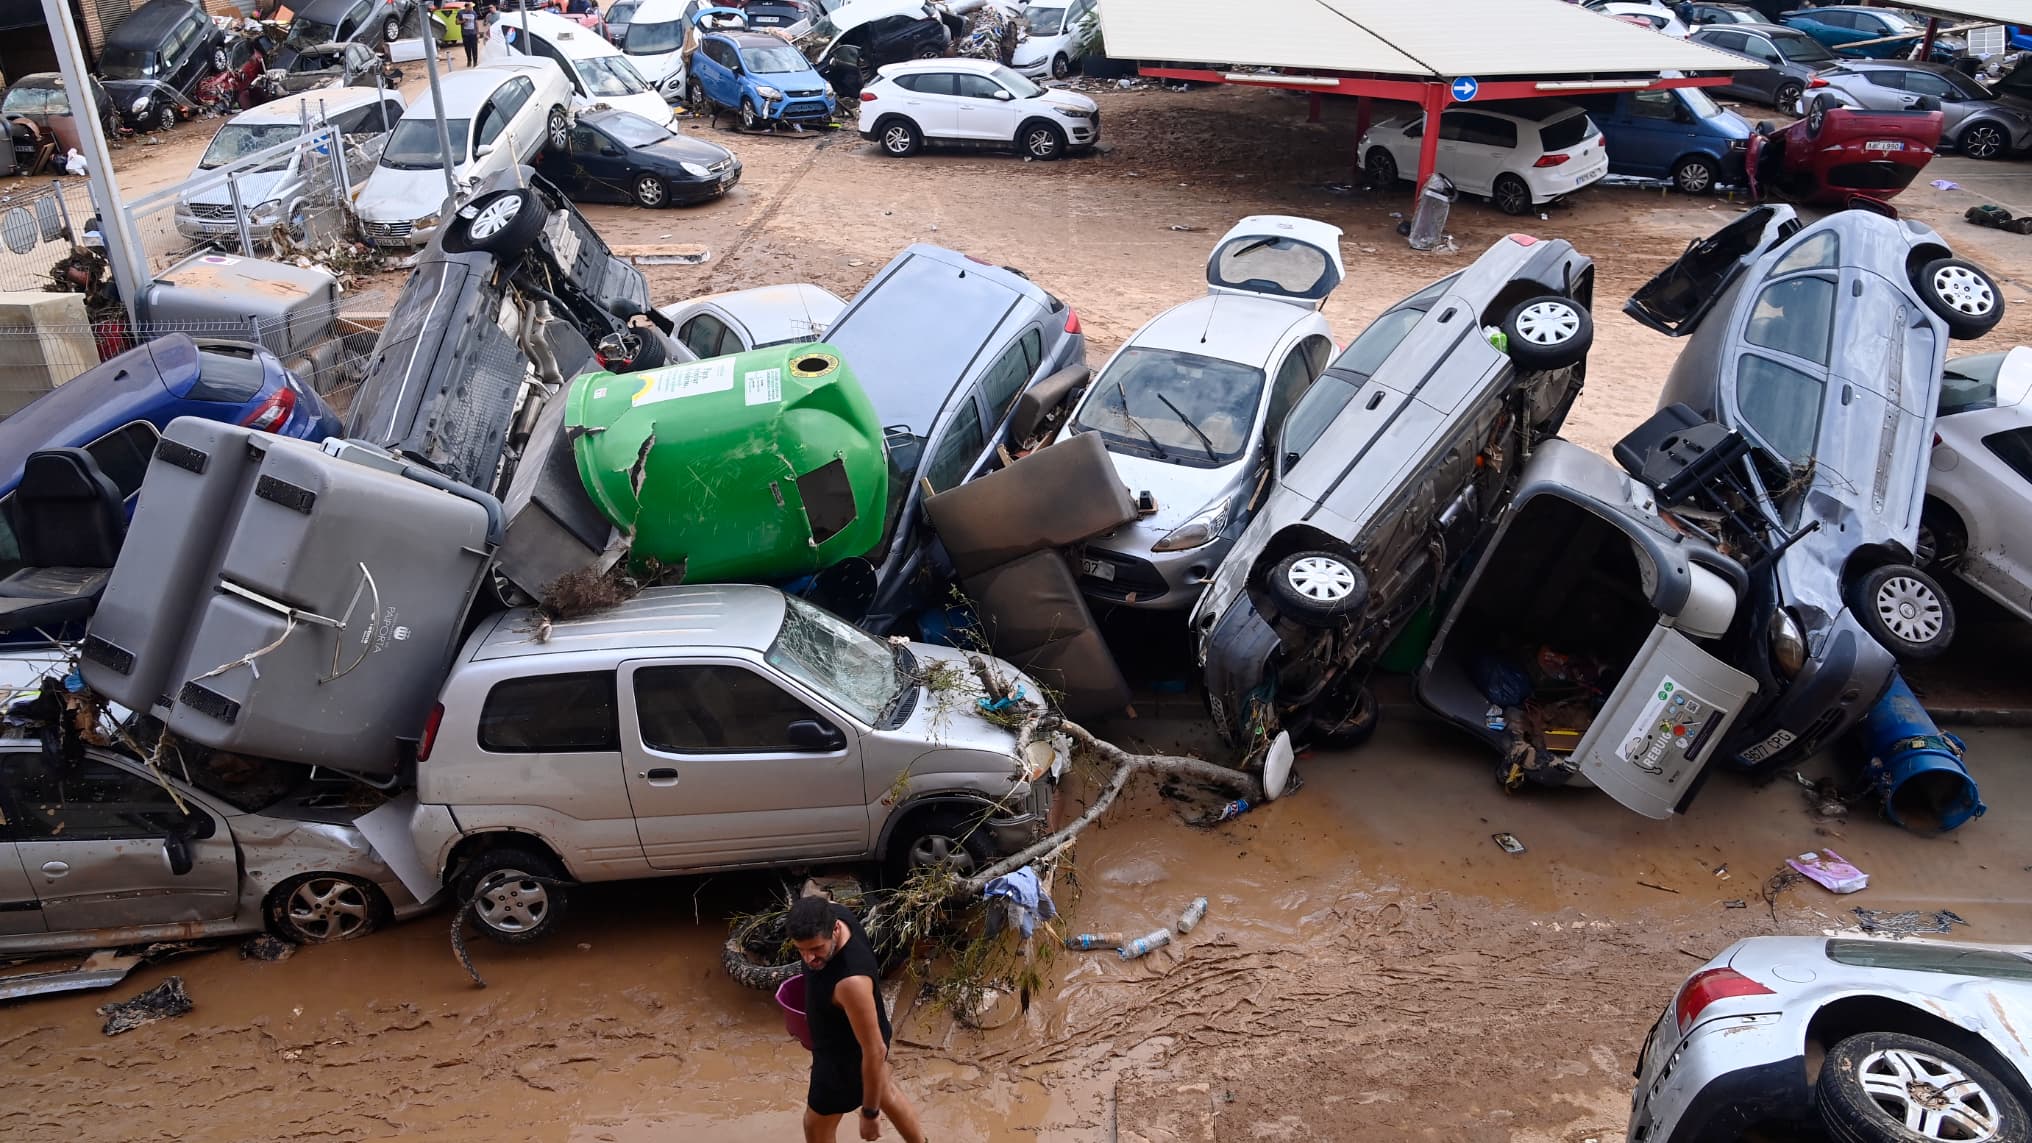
1312	104
1362	107
1926	45
1435	101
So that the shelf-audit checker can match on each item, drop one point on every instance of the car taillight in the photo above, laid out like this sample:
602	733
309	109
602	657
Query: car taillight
1552	160
1072	324
1704	988
1816	81
867	97
429	733
273	412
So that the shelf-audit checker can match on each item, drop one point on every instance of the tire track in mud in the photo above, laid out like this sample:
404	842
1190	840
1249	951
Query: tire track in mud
781	195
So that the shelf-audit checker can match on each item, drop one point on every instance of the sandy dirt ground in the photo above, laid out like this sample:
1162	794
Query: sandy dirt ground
1372	968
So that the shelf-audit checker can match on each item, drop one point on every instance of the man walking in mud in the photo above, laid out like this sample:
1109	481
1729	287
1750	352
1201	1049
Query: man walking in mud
849	1027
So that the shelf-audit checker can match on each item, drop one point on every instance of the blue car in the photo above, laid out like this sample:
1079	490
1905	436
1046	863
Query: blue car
1841	27
758	77
117	409
1678	134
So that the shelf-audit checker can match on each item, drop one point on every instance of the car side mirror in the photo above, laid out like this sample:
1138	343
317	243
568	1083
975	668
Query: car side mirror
1003	95
483	150
176	852
811	734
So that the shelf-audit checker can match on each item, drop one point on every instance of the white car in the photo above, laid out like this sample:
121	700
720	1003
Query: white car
1520	154
1978	516
659	33
719	324
1049	50
597	71
1649	13
1185	406
973	103
1876	1041
287	190
498	116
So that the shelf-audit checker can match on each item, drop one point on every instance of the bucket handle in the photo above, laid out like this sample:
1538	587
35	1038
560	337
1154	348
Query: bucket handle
367	586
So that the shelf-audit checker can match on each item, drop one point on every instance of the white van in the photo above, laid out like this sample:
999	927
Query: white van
282	190
658	34
598	72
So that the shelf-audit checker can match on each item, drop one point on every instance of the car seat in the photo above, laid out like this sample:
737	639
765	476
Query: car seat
69	521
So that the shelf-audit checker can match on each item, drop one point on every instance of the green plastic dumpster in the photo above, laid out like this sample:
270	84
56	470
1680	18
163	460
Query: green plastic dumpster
762	465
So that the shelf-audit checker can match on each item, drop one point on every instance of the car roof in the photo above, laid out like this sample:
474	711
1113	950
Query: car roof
463	90
740	616
124	388
1532	111
955	63
774	313
1231	327
290	108
146	24
752	39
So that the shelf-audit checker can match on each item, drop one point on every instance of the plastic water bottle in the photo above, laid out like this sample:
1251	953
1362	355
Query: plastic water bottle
1144	944
1088	941
1494	720
1192	915
1233	809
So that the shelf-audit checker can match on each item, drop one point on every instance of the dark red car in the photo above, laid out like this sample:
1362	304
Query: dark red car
231	87
1839	154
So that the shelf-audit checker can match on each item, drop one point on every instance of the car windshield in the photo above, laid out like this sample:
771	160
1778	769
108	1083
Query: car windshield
312	32
836	659
818	37
236	141
1045	21
1797	47
1970	383
29	101
248	784
413	146
611	76
632	130
1023	88
773	59
1176	407
1698	102
654	39
126	63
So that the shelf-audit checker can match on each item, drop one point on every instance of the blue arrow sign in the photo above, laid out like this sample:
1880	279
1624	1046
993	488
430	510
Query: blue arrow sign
1465	88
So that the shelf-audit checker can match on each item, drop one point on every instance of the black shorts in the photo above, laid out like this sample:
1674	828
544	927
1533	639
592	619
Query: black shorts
835	1086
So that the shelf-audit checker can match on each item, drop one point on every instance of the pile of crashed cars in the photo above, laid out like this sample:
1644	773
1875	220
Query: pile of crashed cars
876	547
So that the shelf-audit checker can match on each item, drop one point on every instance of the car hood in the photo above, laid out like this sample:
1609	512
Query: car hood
2014	378
1181	492
1071	100
647	104
123	92
254	188
393	195
683	149
946	712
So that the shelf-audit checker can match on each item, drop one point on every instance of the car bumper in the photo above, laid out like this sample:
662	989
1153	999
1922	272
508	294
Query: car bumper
1158	581
1082	132
1833	691
1551	183
705	190
1236	656
1727	1076
400	235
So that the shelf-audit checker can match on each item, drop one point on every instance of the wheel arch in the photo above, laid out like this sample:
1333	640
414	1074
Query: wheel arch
474	844
1297	538
1920	255
1853	1015
1036	120
887	117
1869	557
922	805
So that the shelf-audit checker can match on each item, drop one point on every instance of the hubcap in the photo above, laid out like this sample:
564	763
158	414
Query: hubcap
1983	142
328	909
1694	178
1910	609
495	218
649	191
511	901
1788	99
938	849
1548	323
1930	1096
896	139
1321	579
1964	290
1042	142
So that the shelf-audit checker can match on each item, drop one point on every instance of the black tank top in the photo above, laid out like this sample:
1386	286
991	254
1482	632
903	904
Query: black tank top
832	1034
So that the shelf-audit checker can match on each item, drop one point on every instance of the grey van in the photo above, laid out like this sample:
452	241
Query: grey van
284	191
320	22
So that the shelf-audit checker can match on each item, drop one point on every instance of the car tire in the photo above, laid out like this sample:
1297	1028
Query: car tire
1317	589
1892	1064
695	98
1041	141
1379	166
1511	195
318	908
1354	727
1548	332
1060	66
165	116
1905	610
927	52
1983	140
751	119
1786	98
1942	539
1695	174
513	895
557	131
650	192
391	28
1962	294
745	959
899	138
944	834
1816	115
503	224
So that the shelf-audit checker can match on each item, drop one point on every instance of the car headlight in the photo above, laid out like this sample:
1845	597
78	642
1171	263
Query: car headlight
1788	644
424	223
266	212
696	171
1074	112
1198	532
769	93
139	105
1739	144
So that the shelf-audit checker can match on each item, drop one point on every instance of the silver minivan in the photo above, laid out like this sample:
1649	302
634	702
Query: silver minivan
284	191
694	729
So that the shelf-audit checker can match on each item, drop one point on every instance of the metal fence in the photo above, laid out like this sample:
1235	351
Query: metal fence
35	217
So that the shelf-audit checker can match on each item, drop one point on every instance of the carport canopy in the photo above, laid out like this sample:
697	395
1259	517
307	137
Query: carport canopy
1961	13
1431	53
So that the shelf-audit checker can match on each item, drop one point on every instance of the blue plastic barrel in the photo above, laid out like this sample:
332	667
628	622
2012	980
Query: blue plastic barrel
1916	767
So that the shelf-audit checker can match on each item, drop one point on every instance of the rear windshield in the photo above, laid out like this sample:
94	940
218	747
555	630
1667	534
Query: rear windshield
1270	265
31	101
1995	964
1177	407
632	130
1568	132
653	39
232	376
1970	383
312	32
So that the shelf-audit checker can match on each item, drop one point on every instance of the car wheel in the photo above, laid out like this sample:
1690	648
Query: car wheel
928	52
1964	296
515	896
1548	332
758	953
503	224
650	192
1381	168
1942	540
1786	98
1060	66
321	907
750	118
1317	589
695	98
1885	1087
391	29
1906	610
165	117
900	138
1356	723
1043	142
1695	174
945	836
1511	195
1983	141
1816	115
557	131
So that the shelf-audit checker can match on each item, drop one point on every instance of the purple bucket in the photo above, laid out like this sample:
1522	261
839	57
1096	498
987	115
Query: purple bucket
790	998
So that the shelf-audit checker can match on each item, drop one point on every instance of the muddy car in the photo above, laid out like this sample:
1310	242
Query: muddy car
1821	347
1385	475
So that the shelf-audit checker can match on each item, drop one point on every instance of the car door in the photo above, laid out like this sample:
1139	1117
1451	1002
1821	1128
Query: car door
1648	132
983	110
1879	89
549	748
1012	371
2003	568
718	777
20	909
1761	83
355	20
1292	377
525	119
93	838
714	66
1483	144
929	101
710	334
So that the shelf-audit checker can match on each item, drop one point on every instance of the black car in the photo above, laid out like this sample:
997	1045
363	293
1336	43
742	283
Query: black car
619	156
155	59
919	34
321	22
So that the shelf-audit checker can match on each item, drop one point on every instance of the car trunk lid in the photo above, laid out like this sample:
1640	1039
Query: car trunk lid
1278	256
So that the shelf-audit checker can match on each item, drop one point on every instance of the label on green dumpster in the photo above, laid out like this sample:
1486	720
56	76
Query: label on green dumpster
765	386
689	380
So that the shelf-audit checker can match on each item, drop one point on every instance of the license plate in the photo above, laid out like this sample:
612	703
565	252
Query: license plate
1099	569
1884	145
1770	746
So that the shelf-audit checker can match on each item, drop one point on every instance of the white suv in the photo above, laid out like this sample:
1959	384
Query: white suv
975	103
1520	154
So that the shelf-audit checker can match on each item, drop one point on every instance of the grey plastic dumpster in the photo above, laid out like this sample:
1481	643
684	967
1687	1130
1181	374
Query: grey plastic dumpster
1428	222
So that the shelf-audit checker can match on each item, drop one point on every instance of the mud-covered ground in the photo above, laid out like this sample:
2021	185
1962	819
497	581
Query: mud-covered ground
1373	966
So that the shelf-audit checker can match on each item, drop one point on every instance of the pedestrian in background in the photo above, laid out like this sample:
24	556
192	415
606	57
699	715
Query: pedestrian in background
470	33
